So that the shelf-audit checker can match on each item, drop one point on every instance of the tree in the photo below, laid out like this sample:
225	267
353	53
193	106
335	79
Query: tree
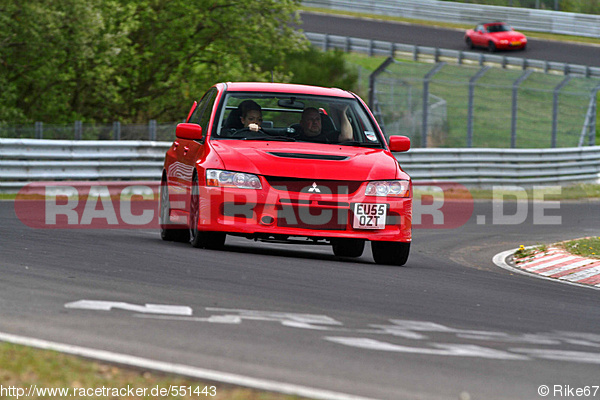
135	60
182	47
130	60
55	58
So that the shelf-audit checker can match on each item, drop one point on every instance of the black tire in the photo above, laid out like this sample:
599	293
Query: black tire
491	47
201	239
390	253
469	43
169	232
348	247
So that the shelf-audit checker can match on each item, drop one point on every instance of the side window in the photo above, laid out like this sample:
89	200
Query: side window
201	115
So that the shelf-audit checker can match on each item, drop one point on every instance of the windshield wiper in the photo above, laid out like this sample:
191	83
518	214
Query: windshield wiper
359	144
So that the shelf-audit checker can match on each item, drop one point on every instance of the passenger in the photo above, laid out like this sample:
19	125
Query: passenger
312	130
251	115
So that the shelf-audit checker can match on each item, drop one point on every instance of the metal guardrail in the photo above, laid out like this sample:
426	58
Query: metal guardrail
29	160
23	161
434	54
446	11
484	167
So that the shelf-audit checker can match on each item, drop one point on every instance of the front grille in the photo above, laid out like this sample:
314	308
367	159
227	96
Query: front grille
316	218
313	186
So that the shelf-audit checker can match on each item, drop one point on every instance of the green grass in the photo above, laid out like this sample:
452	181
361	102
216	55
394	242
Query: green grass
586	247
525	253
21	367
550	193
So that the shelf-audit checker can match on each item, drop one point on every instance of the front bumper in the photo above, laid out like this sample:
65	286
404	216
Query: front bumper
316	215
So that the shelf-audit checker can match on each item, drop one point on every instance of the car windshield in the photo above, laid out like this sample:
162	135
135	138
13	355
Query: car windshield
498	28
295	118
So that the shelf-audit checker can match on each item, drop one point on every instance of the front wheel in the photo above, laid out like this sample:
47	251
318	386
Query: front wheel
469	43
198	238
390	253
491	47
167	231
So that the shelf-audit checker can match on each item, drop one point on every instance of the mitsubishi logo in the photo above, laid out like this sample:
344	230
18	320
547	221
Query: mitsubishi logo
314	188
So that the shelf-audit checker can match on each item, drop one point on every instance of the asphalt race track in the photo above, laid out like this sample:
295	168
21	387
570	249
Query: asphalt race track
443	38
447	323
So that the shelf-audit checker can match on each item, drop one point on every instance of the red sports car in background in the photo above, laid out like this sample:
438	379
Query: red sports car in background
287	163
495	36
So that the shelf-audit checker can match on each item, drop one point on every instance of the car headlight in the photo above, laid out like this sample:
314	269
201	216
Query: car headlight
504	41
388	188
240	180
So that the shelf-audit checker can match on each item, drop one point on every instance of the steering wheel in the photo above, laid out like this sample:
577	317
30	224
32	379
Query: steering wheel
247	133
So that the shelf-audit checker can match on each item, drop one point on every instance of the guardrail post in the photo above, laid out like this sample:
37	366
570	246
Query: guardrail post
326	42
513	121
557	90
592	126
589	124
39	130
424	125
472	82
78	130
592	141
416	53
152	130
117	130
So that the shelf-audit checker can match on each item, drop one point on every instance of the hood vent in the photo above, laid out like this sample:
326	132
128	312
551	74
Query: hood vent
332	157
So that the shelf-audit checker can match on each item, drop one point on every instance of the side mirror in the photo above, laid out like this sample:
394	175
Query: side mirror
399	143
188	131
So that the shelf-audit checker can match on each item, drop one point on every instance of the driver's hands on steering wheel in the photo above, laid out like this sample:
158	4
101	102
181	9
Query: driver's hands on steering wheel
254	127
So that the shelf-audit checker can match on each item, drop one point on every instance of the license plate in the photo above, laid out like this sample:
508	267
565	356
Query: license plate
515	43
369	216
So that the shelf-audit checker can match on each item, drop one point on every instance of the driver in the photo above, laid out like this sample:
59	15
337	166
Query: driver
251	115
311	128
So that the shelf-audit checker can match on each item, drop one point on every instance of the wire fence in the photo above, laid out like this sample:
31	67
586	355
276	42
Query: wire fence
444	105
82	131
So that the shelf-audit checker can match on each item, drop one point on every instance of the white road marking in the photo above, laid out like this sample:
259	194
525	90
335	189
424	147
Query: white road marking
147	308
441	349
559	260
565	268
562	355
